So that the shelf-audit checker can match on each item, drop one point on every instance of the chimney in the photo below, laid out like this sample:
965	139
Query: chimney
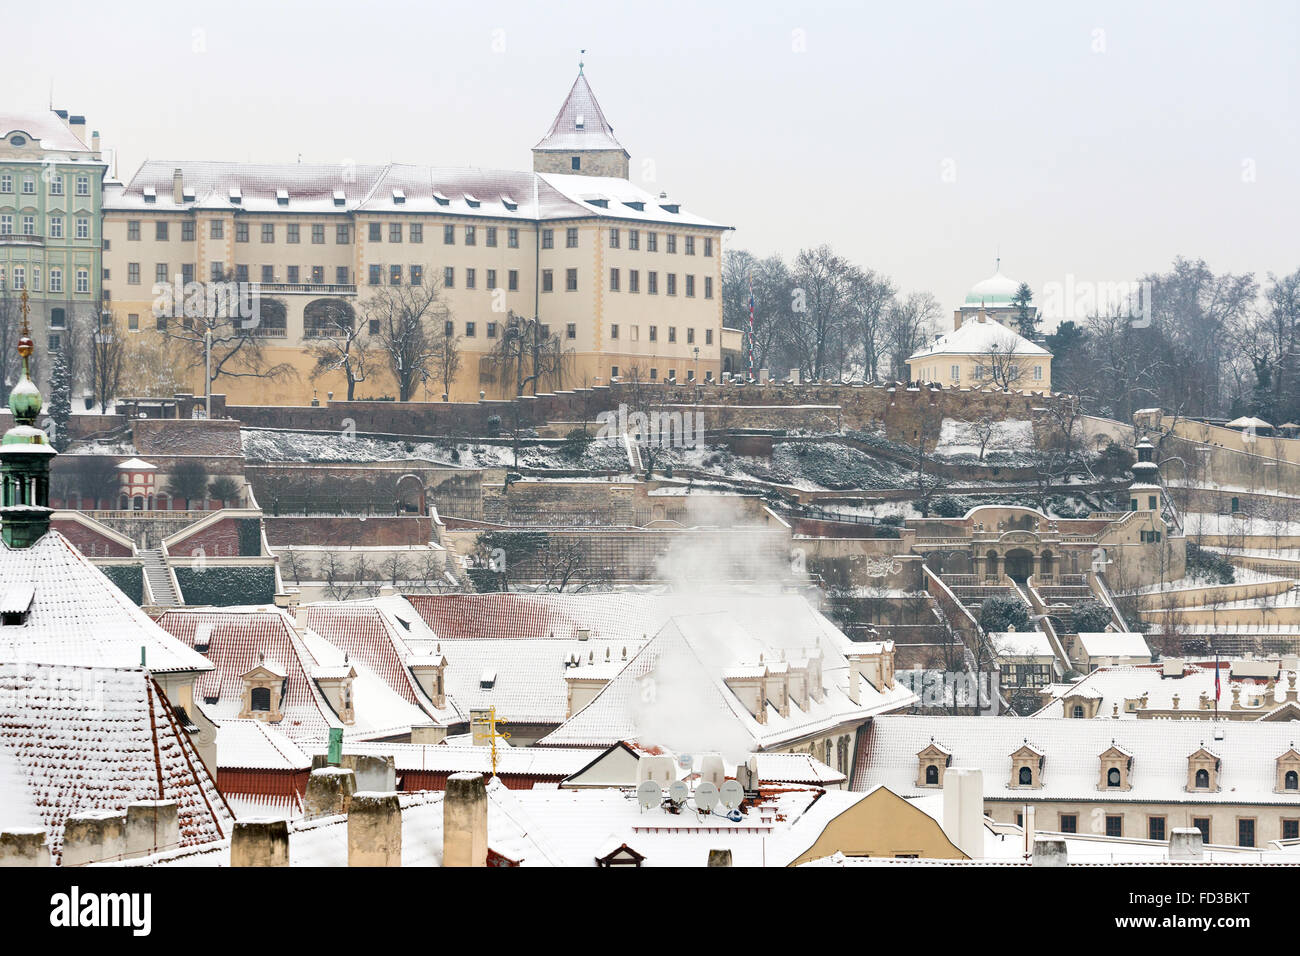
1173	667
78	126
1185	843
657	767
712	770
152	825
956	319
260	841
94	141
24	846
464	821
329	791
92	836
1050	851
374	830
178	186
855	692
963	810
719	858
287	600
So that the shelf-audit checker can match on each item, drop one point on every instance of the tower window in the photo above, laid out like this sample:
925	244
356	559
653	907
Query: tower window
575	162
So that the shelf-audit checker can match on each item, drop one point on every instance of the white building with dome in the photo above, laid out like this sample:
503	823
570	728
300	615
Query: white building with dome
994	297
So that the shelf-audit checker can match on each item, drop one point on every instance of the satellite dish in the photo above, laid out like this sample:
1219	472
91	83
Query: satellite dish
706	796
732	794
685	761
649	794
677	792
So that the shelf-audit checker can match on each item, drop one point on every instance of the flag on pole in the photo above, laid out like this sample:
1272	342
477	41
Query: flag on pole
749	336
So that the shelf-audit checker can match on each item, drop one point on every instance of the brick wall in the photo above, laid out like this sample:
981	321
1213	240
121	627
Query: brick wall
362	532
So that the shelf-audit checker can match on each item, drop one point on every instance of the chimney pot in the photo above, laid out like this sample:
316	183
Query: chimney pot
259	841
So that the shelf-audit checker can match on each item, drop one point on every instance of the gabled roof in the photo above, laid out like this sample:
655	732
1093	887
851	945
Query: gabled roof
44	126
83	738
581	123
979	338
79	617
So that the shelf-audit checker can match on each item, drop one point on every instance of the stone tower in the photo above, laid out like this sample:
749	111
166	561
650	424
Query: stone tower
580	141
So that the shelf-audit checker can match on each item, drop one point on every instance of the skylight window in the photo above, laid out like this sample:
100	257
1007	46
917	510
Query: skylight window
488	679
150	195
441	199
339	198
581	122
236	195
282	197
399	196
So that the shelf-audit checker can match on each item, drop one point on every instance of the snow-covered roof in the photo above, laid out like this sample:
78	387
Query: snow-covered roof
580	124
97	738
255	745
1114	644
1115	686
980	338
673	693
997	290
888	747
79	617
44	126
522	196
1022	644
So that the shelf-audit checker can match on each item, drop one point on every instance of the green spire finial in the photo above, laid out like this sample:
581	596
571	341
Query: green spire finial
25	455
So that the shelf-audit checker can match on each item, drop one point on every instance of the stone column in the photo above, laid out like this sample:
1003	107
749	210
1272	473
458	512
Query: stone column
24	846
374	830
93	836
329	791
152	825
260	841
464	821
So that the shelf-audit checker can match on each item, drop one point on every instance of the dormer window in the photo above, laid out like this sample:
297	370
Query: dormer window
580	122
339	197
1077	711
1113	777
259	698
932	776
1116	768
1291	781
236	195
1203	770
282	197
932	762
1288	772
1027	767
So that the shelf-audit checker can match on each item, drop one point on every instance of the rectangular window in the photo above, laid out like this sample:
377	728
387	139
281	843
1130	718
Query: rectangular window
613	372
29	185
1203	824
613	238
241	232
613	331
56	280
471	278
491	330
375	232
690	336
1245	833
690	287
56	227
1155	828
291	277
187	231
394	275
417	275
448	235
83	227
708	247
654	333
634	238
652	283
512	238
633	280
492	278
690	245
548	280
708	287
469	330
133	230
672	242
613	280
1291	829
342	234
471	235
6	182
652	242
512	280
571	330
375	275
708	336
1114	826
268	232
133	322
83	185
548	238
187	273
491	236
654	375
571	280
216	229
449	277
955	371
571	237
340	275
241	273
672	283
132	273
268	273
318	234
394	232
672	333
417	231
29	226
160	272
291	232
160	231
1069	823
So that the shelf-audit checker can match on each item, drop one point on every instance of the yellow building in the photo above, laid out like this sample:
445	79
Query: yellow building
982	352
625	280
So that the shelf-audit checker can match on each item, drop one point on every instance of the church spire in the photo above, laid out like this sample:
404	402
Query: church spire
580	140
25	455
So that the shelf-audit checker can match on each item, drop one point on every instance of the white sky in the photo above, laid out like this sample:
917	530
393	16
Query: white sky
1069	160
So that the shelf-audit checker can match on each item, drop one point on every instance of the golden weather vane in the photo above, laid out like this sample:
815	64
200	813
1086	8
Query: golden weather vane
486	731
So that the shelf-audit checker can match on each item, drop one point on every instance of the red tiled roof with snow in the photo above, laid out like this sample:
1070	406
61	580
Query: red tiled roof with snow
81	738
240	639
361	633
78	617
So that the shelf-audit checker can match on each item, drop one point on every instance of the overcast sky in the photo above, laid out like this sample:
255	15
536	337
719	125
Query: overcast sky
1093	140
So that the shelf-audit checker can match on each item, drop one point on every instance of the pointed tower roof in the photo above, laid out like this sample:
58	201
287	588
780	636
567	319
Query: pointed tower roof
25	455
580	124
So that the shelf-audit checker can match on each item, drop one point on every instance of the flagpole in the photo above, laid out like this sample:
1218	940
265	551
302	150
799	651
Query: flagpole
749	338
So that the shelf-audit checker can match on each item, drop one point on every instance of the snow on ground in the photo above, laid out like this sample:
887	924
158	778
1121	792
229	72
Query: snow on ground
1190	583
958	437
1196	522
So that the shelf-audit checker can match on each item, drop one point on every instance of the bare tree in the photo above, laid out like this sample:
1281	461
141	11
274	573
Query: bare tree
1003	362
527	354
446	357
344	346
107	360
909	323
404	315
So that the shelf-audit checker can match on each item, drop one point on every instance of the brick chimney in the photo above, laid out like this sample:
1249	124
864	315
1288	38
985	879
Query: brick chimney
178	186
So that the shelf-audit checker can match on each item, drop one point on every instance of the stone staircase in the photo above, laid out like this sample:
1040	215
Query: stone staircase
159	579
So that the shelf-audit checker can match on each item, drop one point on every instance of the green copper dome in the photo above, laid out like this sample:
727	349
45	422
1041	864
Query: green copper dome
25	401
